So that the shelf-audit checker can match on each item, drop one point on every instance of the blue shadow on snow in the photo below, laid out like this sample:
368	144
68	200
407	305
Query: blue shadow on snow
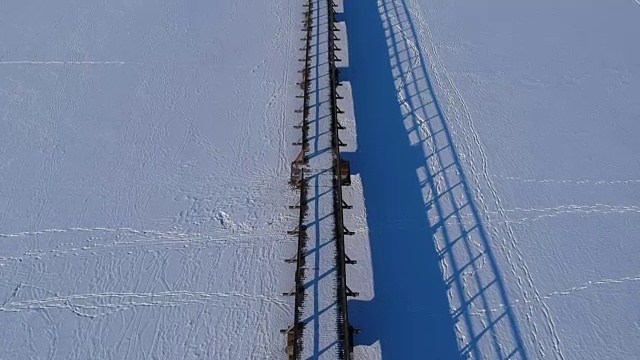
420	208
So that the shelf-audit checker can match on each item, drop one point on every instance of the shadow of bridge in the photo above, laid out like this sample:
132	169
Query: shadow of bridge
438	289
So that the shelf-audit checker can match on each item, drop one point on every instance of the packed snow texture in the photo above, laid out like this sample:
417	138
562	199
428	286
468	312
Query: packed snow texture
144	157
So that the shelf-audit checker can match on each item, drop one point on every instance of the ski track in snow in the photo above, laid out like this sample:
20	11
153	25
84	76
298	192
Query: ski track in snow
570	181
545	213
114	302
64	63
102	248
551	212
569	291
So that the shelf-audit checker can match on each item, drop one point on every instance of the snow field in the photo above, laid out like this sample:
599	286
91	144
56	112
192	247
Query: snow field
144	156
543	119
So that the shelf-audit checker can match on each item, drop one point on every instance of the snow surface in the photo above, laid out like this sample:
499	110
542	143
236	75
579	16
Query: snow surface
497	139
144	158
